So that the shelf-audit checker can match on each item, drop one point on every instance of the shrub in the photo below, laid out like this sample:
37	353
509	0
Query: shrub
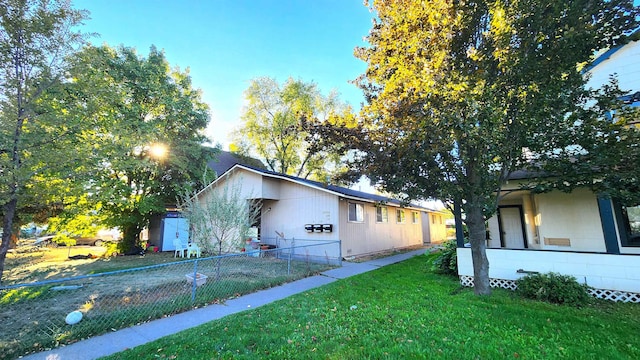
554	288
112	248
446	262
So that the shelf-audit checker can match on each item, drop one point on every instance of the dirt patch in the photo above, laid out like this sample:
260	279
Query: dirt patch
53	263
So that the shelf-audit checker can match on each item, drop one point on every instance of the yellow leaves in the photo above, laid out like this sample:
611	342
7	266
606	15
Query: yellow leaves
499	23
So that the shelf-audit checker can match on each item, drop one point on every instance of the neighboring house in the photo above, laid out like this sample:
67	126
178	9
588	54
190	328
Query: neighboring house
296	208
594	239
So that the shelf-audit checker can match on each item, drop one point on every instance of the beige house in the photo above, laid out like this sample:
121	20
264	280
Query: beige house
309	211
434	227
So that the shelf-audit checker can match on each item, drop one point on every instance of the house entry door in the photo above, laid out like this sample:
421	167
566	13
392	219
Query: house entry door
511	227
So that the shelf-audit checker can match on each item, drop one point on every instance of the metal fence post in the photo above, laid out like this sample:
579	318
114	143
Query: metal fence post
194	284
339	252
291	249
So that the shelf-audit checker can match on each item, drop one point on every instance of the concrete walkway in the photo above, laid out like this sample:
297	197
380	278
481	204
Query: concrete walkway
128	338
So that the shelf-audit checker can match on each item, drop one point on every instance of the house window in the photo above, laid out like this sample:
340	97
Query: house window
400	216
416	217
356	212
433	219
629	223
382	214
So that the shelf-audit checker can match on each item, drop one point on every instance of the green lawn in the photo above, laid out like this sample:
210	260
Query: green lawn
404	311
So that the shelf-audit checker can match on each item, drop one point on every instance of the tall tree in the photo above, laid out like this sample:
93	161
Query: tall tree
143	134
462	93
271	126
35	37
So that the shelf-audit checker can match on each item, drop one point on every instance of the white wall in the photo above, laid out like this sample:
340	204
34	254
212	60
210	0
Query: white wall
250	184
270	188
601	271
623	62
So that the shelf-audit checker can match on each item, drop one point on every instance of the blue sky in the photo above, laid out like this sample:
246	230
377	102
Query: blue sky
226	43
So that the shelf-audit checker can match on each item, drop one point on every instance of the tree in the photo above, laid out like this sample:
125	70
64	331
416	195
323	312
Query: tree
35	37
270	126
460	94
220	218
143	134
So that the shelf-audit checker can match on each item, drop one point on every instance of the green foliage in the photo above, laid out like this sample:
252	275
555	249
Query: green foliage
35	37
456	91
271	128
554	288
132	105
446	260
111	248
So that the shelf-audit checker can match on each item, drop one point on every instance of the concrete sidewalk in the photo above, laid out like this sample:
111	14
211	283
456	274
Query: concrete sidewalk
121	340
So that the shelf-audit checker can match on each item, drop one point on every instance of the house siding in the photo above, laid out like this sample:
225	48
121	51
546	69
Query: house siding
250	185
556	215
433	233
288	204
270	189
574	216
370	237
299	205
624	63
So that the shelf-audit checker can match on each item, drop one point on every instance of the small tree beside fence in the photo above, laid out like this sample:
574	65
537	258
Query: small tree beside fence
220	218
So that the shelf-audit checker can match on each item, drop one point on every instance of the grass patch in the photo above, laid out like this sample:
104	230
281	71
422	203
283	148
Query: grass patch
407	311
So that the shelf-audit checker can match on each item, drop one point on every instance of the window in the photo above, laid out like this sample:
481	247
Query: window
382	214
416	217
356	212
629	224
433	219
400	216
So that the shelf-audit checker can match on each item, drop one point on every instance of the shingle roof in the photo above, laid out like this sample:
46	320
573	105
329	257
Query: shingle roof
349	193
226	160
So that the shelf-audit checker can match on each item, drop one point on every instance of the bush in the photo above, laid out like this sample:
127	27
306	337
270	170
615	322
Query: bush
112	248
446	262
554	288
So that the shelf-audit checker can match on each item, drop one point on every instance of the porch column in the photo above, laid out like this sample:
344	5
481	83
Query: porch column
608	225
457	215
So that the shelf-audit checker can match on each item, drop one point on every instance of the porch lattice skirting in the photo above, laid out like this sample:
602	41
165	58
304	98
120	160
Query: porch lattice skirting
612	295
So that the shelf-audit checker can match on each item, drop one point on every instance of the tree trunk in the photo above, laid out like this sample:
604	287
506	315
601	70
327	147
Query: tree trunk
9	211
477	238
130	239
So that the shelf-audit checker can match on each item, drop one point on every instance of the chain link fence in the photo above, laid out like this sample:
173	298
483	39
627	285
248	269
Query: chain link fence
34	316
